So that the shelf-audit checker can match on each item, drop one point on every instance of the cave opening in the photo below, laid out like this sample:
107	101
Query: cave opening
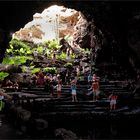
111	48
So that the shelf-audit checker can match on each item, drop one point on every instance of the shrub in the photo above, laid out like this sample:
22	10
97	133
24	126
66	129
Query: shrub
53	45
51	70
3	75
62	56
15	60
68	65
35	70
17	47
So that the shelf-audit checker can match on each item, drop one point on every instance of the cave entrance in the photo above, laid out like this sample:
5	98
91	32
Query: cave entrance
39	45
55	22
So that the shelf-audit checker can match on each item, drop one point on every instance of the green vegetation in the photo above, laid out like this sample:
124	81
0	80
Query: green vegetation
17	60
62	56
35	70
24	69
17	47
40	49
52	45
20	51
68	65
72	56
86	50
23	53
51	70
3	75
68	38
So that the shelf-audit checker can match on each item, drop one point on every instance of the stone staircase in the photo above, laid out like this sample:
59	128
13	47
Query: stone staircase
105	87
37	100
114	86
36	104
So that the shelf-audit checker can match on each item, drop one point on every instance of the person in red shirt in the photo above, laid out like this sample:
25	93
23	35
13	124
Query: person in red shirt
40	79
113	100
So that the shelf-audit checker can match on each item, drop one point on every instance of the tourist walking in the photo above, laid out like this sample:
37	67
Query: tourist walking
1	102
89	79
95	88
40	79
113	100
59	87
73	90
51	87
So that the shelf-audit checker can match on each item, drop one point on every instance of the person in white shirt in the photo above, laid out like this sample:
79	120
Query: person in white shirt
59	88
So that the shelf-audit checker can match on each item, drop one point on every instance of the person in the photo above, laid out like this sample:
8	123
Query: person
2	95
9	84
54	58
95	89
59	87
73	91
89	79
1	102
16	86
51	87
113	100
94	78
68	55
34	79
40	79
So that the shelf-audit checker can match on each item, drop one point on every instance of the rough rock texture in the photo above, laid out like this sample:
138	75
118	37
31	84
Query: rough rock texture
4	40
133	37
10	68
53	23
64	134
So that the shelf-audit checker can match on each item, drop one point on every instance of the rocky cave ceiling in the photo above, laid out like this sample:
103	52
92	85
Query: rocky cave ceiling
55	22
119	21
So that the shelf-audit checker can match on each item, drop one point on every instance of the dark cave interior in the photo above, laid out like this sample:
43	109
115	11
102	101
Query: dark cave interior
119	23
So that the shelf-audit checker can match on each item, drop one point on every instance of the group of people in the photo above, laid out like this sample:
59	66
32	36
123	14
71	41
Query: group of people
95	89
51	82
